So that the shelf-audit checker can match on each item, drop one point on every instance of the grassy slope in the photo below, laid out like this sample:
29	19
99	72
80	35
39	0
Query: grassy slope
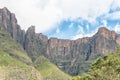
49	71
14	60
106	68
15	64
8	45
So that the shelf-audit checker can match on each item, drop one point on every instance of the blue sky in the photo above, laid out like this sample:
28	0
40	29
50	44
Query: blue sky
66	19
79	28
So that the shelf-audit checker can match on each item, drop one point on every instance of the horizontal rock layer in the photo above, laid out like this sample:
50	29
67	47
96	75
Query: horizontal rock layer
72	56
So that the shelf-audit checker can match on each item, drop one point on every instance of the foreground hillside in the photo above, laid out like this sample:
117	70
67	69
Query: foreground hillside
16	65
14	62
106	68
49	71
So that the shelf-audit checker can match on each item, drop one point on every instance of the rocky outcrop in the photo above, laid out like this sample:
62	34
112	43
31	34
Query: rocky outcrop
8	23
105	41
35	44
72	56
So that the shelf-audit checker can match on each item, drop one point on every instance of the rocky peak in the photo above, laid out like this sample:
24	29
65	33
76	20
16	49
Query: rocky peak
5	9
7	17
106	33
35	43
70	55
103	29
42	37
31	29
4	17
8	22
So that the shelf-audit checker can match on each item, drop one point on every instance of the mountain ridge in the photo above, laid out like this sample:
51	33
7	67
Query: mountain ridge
14	61
72	56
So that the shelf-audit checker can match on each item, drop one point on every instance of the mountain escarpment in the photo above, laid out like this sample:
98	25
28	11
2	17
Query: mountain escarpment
72	56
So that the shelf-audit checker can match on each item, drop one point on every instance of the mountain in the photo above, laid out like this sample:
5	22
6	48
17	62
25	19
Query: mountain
75	56
49	71
15	62
106	68
72	56
8	22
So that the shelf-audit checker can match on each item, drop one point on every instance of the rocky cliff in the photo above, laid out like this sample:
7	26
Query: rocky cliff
75	56
8	22
34	43
72	56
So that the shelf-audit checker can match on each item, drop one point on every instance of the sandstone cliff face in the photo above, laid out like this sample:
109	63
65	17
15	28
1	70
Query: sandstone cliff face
72	56
68	54
35	44
8	22
58	48
105	41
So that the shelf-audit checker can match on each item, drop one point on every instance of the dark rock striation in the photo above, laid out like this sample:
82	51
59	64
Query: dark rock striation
34	43
8	22
72	56
75	56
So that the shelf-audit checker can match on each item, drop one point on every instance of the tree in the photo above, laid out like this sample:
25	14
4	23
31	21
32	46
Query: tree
118	50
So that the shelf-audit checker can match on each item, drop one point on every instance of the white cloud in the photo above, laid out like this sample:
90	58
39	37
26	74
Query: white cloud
117	28
80	30
104	22
87	27
81	35
45	14
115	4
71	25
57	30
113	16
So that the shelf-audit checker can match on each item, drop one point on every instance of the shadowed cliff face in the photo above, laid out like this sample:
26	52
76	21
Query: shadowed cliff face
8	22
35	44
72	56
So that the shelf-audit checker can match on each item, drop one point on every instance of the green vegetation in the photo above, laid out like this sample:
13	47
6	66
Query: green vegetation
76	78
49	71
16	65
8	45
12	67
14	61
106	68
